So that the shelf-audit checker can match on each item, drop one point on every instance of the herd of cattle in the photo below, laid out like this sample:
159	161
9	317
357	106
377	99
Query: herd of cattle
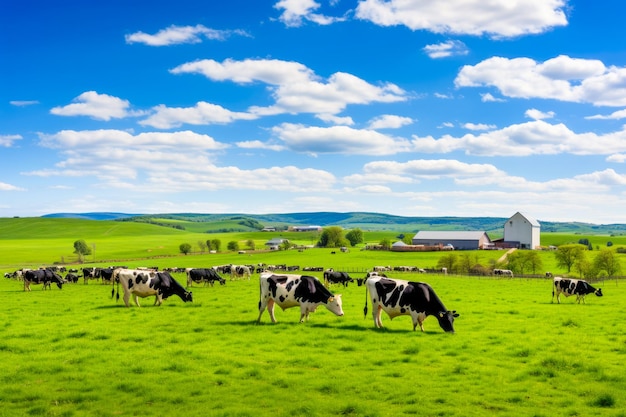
395	297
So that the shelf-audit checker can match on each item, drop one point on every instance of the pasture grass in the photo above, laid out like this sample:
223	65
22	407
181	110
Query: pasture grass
77	352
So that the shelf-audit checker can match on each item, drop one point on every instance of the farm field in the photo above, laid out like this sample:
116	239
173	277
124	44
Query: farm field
77	352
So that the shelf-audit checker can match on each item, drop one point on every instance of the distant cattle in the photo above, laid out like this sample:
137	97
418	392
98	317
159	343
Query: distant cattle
289	290
205	275
239	271
41	276
335	277
503	272
71	277
576	287
144	283
398	297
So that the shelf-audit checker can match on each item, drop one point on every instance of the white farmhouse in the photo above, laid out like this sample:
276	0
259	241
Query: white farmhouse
523	229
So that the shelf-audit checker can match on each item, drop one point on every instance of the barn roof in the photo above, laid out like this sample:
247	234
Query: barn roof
449	235
529	219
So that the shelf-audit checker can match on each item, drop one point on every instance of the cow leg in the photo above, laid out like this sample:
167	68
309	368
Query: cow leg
376	310
304	314
270	309
136	298
127	298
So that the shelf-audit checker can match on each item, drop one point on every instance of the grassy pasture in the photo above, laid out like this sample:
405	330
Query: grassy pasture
77	352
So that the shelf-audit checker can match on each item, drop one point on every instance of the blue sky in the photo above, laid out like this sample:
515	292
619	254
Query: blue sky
413	107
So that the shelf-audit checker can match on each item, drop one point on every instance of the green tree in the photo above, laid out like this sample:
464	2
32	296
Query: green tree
250	244
81	249
185	248
233	245
385	243
216	244
202	245
285	245
607	261
448	261
332	237
355	236
567	255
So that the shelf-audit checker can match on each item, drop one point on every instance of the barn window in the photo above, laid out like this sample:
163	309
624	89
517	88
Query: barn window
511	222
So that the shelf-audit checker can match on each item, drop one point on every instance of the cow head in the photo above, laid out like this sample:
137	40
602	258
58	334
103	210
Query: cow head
334	304
446	320
598	292
188	296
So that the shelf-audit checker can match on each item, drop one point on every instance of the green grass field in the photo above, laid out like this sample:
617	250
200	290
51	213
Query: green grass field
77	352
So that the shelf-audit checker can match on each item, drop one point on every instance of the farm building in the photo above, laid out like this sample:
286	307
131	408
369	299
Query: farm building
524	230
458	239
274	244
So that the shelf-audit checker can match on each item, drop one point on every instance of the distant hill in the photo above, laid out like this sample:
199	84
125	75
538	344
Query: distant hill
362	220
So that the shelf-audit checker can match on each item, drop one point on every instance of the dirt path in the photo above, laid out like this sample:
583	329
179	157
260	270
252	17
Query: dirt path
503	257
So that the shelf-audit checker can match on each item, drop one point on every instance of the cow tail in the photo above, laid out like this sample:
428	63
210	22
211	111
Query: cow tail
365	308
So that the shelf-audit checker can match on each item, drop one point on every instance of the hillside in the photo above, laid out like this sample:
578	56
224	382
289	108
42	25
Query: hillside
211	223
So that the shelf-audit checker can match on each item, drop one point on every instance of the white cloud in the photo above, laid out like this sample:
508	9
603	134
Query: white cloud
446	49
619	158
181	34
338	139
97	106
389	121
489	98
202	113
498	18
8	187
538	114
561	78
23	103
530	138
617	115
257	144
338	120
431	168
296	88
296	11
6	141
478	126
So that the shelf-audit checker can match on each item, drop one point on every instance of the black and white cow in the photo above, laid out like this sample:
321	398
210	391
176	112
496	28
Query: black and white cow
576	287
335	277
145	283
41	276
239	271
206	275
416	299
290	290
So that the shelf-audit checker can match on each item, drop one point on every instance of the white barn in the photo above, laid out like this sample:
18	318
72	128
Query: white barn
523	229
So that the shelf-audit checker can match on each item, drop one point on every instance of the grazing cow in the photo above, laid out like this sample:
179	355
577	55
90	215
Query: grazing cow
576	287
398	297
41	276
143	284
239	271
289	290
333	277
504	272
71	277
206	275
105	274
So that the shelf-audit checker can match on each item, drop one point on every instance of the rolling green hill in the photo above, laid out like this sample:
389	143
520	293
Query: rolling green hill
211	223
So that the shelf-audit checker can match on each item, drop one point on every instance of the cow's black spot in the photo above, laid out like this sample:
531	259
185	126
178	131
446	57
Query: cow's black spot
403	310
130	283
282	298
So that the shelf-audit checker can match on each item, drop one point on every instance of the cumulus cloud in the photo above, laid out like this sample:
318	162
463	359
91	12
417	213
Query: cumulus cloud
538	114
338	139
7	141
181	34
295	12
531	138
257	144
389	121
489	98
294	87
561	78
619	158
446	49
431	168
97	106
155	162
202	113
497	18
478	126
617	115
